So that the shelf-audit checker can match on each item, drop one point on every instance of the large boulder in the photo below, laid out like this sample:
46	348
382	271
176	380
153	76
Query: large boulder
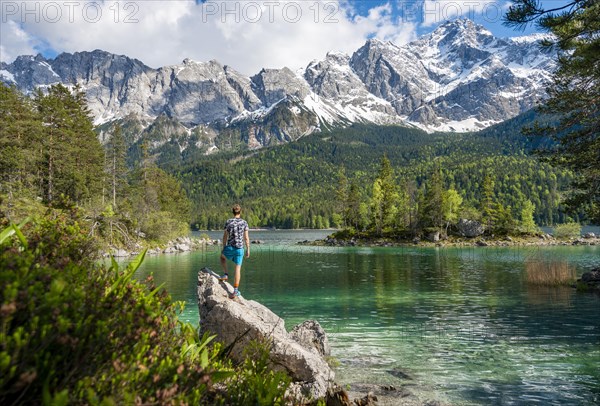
237	322
470	228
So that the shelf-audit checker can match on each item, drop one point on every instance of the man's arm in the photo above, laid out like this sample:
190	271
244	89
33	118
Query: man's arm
247	239
224	238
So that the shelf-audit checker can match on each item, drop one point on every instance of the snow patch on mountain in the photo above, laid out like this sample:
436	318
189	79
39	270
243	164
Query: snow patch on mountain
459	77
7	76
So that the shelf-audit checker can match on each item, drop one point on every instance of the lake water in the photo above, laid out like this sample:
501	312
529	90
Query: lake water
459	325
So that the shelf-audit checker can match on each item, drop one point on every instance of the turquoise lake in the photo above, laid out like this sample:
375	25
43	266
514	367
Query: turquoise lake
459	325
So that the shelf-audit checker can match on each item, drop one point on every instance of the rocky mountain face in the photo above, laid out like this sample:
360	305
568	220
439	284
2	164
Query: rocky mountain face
457	78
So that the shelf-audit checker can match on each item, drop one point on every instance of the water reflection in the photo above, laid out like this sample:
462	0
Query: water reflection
550	296
461	323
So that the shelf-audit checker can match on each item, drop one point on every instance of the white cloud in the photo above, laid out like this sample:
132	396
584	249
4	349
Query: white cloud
14	41
246	35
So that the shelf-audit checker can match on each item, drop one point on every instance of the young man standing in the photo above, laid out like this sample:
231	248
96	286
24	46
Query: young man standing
234	238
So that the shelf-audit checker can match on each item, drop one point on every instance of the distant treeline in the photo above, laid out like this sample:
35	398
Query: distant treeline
296	185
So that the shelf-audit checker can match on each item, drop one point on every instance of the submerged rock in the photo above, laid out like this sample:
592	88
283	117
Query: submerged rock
237	322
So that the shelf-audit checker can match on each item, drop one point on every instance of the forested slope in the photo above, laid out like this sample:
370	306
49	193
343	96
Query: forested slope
295	185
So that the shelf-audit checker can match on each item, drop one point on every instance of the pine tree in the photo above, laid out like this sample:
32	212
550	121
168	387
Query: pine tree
341	197
116	163
384	197
20	142
402	219
353	206
574	93
433	215
489	212
73	158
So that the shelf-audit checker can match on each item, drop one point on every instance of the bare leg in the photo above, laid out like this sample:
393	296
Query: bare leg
224	263
238	272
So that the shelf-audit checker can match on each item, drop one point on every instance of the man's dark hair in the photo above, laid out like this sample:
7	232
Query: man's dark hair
236	209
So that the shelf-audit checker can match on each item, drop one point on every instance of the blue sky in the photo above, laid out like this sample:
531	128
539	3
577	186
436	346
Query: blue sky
246	35
486	13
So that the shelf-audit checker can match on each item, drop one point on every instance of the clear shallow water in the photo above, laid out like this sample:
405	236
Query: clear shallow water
454	324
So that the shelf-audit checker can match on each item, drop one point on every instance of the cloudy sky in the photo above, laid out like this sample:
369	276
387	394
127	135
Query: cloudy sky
246	35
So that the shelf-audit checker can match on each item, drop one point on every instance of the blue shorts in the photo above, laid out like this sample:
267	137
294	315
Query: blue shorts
234	254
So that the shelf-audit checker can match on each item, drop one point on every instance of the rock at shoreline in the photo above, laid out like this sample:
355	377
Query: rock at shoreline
120	253
590	280
470	228
312	336
433	236
238	322
169	250
182	247
181	244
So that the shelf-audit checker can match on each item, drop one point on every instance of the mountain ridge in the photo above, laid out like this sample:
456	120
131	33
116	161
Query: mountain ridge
457	78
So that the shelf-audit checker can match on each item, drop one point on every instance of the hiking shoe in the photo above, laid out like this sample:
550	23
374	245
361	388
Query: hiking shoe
236	293
224	278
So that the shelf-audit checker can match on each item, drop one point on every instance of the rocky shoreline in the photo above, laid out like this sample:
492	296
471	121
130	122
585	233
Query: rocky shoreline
303	352
176	246
542	240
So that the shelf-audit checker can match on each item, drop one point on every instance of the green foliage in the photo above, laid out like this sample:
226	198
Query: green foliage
115	166
20	141
384	198
489	206
298	184
257	384
77	333
506	221
161	226
72	161
567	230
433	210
528	225
573	94
451	206
50	152
156	204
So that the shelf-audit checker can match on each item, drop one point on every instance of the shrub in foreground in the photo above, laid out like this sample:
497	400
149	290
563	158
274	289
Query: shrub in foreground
74	332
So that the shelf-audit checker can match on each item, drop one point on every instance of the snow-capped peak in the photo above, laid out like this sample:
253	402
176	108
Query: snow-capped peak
458	77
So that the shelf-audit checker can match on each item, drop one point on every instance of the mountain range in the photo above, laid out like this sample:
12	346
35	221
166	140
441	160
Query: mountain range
458	78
